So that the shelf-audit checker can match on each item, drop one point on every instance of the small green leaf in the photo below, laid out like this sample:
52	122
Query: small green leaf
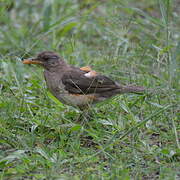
76	128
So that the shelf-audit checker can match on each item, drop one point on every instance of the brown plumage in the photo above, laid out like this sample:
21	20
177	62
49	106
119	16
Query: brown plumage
78	86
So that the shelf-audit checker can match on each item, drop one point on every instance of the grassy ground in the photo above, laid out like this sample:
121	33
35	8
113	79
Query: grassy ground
129	136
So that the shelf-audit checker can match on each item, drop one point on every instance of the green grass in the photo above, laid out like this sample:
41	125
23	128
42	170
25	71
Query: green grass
129	136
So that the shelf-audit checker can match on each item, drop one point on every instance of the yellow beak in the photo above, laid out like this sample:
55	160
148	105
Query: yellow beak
31	61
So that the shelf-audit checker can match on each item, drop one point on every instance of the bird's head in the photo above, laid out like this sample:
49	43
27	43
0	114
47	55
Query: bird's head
47	59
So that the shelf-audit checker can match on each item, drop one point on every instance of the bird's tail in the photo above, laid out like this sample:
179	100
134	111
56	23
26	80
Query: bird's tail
132	89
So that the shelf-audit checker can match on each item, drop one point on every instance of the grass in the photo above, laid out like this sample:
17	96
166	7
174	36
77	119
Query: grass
129	136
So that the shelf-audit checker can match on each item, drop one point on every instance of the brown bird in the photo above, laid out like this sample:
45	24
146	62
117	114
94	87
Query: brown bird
75	86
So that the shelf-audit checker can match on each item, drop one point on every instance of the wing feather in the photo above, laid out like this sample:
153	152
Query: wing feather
76	81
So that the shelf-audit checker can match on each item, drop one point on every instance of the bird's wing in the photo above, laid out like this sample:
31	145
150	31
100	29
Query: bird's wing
78	81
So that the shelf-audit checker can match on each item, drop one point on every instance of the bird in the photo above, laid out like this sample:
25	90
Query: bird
78	87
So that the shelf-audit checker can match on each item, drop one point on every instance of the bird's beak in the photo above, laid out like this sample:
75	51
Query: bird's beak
31	61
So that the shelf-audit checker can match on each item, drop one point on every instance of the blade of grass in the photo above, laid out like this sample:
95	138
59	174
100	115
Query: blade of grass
121	137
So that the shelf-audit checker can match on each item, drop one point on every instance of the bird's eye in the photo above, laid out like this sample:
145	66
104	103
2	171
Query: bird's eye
46	58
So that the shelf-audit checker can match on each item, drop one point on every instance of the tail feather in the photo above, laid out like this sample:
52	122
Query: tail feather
132	89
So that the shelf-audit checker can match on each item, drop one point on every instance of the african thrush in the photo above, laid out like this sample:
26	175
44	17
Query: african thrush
75	86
